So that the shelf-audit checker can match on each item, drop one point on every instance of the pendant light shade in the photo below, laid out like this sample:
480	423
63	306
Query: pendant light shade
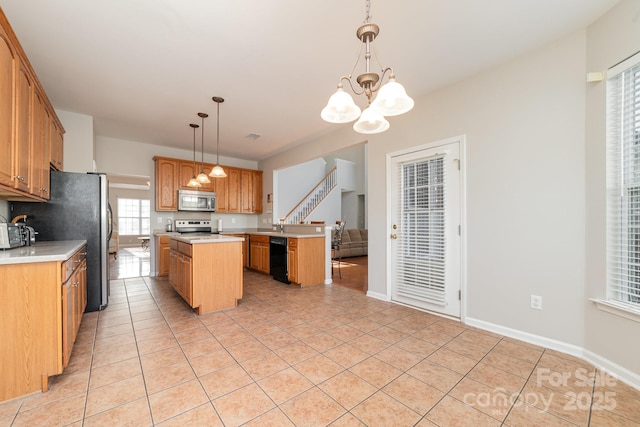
371	121
202	177
217	171
392	100
193	182
340	108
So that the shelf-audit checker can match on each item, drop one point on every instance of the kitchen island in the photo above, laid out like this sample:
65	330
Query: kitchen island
206	271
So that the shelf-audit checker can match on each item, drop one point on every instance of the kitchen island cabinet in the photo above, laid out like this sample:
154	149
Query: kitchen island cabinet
206	271
42	298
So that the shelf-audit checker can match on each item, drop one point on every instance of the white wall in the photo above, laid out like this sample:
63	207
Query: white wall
294	183
525	130
79	141
611	39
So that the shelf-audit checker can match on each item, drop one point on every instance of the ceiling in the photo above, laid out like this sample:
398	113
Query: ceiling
144	68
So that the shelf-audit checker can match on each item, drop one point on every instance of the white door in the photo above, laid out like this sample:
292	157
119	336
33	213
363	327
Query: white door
425	228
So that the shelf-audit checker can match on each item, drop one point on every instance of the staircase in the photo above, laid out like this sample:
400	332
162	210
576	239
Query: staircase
304	208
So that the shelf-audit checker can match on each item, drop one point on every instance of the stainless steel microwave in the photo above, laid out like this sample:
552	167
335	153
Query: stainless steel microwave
199	201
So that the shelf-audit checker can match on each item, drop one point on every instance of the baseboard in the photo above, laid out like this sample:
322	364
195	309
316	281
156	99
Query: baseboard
377	295
620	372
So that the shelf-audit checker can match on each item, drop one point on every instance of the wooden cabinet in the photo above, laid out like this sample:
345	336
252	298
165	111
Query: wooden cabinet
239	192
259	253
292	259
166	184
306	260
180	274
26	120
7	70
22	128
208	276
41	306
162	251
233	190
56	147
74	300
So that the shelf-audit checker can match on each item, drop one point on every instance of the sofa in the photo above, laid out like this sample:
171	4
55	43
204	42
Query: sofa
354	242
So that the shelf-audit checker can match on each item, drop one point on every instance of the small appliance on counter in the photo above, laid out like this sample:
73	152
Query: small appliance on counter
169	227
11	236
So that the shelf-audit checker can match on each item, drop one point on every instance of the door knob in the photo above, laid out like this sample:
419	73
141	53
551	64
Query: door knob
394	236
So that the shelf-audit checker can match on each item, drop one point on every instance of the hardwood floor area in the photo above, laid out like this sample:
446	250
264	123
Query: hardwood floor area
354	272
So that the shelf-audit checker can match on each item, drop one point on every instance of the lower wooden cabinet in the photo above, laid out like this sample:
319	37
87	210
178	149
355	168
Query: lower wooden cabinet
306	260
259	253
41	307
74	300
162	259
180	269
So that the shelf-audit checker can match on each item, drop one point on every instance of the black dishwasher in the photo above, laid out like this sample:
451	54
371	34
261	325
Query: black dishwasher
278	259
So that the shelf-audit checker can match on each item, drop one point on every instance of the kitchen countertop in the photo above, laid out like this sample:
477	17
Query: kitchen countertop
41	252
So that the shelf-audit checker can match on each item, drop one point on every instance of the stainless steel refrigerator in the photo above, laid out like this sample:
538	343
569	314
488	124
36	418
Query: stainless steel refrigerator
78	210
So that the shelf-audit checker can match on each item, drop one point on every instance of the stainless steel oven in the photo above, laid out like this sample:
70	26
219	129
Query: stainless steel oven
198	201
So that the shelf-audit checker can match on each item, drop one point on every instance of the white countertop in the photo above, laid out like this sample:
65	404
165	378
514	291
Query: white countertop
213	238
41	252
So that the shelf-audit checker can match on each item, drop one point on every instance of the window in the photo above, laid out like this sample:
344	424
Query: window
133	217
623	182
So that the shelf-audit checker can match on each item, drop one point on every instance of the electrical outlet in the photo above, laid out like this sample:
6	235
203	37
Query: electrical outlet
536	302
233	220
318	229
159	220
264	220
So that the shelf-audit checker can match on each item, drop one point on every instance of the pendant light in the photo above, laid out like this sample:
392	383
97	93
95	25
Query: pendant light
202	177
217	171
193	182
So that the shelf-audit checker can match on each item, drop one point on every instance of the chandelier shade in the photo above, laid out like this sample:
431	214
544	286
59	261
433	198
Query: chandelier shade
340	108
392	98
217	171
371	121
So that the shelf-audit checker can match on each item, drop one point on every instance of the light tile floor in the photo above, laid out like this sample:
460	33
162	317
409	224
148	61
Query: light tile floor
324	355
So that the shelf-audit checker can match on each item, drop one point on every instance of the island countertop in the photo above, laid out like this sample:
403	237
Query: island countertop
41	252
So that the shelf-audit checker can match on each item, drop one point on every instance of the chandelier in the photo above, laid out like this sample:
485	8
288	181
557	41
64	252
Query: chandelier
392	99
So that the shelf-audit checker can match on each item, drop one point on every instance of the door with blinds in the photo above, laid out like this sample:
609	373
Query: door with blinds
425	226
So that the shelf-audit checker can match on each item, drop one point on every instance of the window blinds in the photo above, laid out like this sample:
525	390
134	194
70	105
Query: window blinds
421	236
623	182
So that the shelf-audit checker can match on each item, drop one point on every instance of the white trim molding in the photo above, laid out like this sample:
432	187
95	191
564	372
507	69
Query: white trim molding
619	372
617	309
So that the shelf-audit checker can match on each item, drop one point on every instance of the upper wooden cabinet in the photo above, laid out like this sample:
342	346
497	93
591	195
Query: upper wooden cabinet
239	192
29	126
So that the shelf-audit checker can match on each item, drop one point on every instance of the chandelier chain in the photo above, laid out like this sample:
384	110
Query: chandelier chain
368	17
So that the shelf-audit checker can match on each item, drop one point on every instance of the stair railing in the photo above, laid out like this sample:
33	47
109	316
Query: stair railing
313	198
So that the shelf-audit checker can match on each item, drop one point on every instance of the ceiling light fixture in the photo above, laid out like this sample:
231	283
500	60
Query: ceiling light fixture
217	171
193	182
202	177
392	99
